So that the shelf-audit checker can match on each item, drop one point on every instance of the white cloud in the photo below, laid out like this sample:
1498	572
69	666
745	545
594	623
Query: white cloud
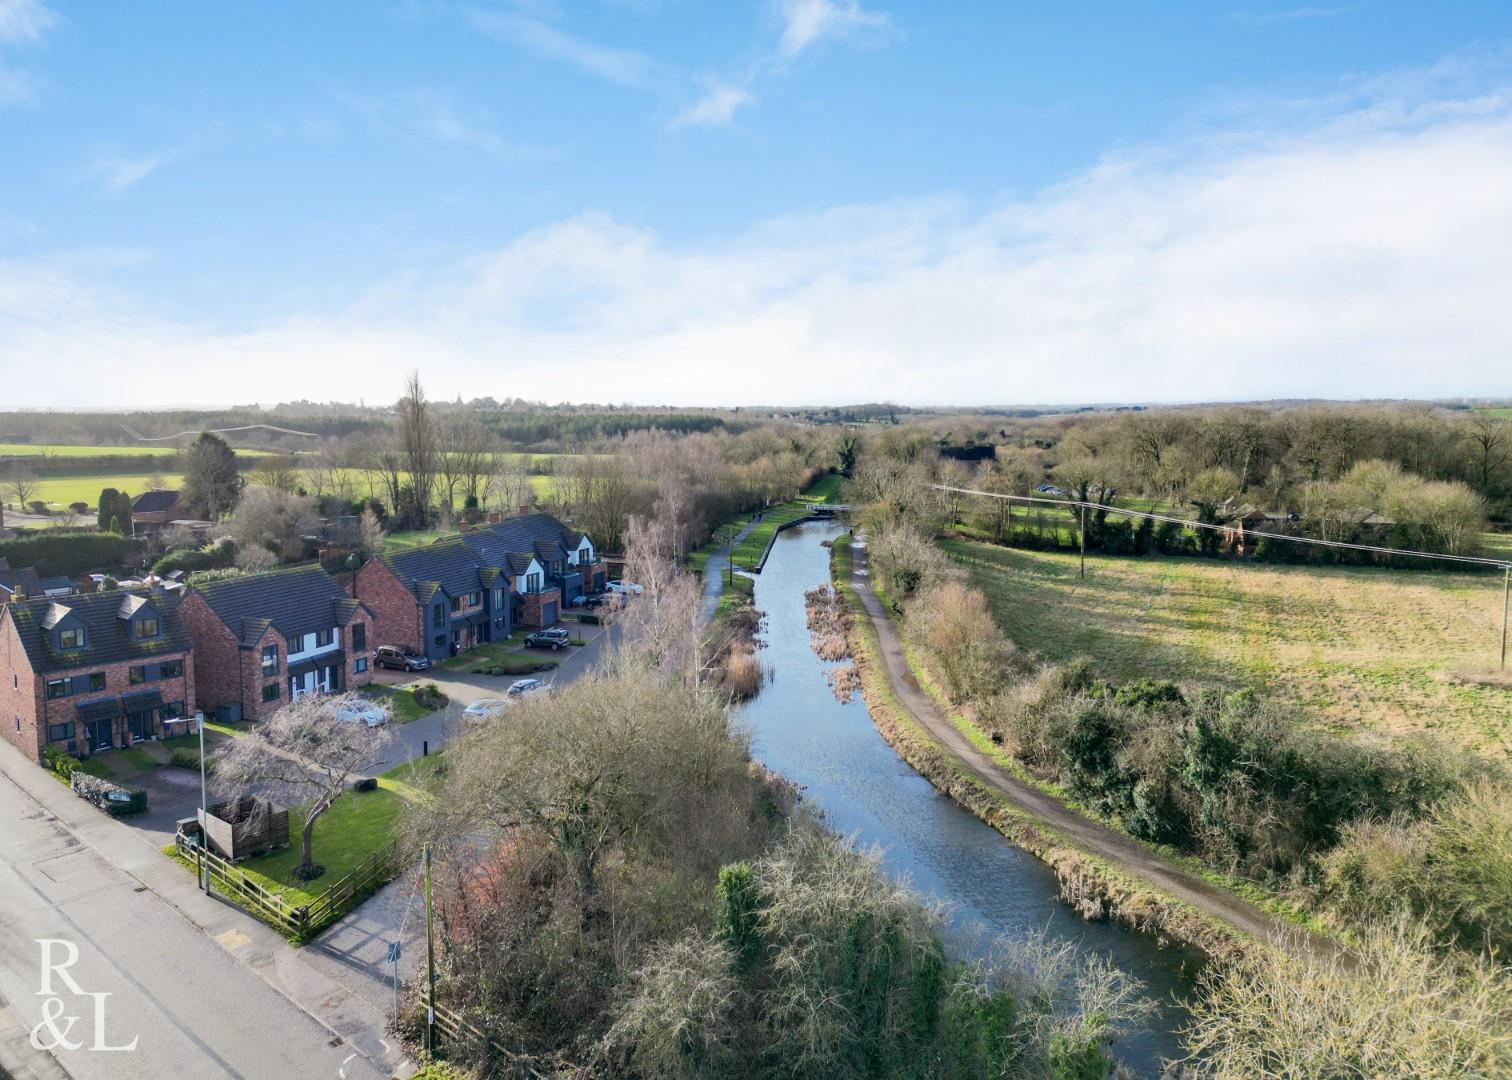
115	171
24	20
808	22
1363	256
431	115
537	36
715	109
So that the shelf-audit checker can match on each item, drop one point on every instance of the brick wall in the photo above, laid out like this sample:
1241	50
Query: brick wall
253	680
21	693
530	616
396	613
217	660
355	678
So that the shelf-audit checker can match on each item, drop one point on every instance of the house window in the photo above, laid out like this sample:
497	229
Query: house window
359	636
498	598
533	582
456	604
171	710
474	599
97	680
269	665
136	674
57	688
59	732
270	691
71	638
322	638
360	665
439	616
440	640
147	628
171	669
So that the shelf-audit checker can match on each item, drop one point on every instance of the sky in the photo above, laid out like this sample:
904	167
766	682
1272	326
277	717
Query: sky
776	201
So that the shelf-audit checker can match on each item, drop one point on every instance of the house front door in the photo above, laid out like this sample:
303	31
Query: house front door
98	735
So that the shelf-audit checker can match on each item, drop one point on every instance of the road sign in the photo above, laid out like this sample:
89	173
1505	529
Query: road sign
394	952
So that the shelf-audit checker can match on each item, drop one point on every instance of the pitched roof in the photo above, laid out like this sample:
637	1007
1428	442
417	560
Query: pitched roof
25	581
154	502
107	634
530	534
296	600
449	564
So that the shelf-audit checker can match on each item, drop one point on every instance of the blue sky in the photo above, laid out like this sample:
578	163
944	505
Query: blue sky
964	201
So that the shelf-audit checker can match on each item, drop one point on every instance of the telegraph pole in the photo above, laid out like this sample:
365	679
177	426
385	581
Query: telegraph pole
1506	589
1082	573
430	962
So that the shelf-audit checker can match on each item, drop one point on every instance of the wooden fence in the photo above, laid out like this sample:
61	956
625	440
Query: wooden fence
299	921
453	1028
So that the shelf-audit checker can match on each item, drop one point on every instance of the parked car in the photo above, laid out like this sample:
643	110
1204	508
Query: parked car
483	708
526	687
626	588
392	656
555	638
362	712
598	600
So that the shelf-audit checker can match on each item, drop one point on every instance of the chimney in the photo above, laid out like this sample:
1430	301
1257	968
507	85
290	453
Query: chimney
524	509
495	516
463	526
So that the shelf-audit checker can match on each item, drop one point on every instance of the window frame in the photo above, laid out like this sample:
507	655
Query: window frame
146	621
270	659
275	695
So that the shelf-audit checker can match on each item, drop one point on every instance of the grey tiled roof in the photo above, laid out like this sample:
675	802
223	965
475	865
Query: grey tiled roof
449	564
25	581
154	502
296	600
107	634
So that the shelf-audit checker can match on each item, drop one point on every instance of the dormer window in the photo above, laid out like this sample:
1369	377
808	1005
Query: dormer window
71	637
146	627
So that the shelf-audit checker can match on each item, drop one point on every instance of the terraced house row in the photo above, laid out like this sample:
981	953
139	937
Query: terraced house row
95	671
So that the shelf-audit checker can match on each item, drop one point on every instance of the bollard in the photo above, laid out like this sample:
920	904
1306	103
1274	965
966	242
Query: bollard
425	748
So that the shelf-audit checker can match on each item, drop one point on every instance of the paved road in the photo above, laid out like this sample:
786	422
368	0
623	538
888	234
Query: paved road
197	1008
1117	848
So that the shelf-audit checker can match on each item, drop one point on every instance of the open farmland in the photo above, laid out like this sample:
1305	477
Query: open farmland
1359	648
73	451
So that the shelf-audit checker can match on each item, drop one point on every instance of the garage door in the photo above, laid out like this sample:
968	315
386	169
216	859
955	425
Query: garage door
548	613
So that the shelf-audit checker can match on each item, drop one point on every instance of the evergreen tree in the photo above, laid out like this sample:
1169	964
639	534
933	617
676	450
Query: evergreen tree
107	508
211	483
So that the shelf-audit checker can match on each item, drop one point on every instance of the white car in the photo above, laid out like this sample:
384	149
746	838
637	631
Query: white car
368	713
526	687
483	708
627	588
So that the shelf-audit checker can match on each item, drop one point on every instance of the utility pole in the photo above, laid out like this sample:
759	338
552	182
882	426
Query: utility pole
1506	589
1082	572
730	558
430	962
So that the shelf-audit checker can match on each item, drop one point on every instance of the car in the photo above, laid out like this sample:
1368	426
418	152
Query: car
392	656
526	687
554	638
363	712
483	708
626	588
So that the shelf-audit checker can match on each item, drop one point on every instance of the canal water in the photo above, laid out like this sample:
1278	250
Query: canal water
867	792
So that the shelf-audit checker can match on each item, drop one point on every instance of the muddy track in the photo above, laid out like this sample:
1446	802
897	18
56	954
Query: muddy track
1097	839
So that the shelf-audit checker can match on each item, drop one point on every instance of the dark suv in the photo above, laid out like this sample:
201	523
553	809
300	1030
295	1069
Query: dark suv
392	656
555	638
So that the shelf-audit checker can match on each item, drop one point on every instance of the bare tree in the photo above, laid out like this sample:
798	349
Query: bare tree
662	630
464	458
304	755
277	474
371	531
1490	440
418	441
23	484
509	486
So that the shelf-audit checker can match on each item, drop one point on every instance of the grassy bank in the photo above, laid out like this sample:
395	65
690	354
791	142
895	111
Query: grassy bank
1353	646
1093	886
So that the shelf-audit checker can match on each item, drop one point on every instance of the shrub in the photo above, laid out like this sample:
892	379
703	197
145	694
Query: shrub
189	759
67	552
56	760
430	696
953	624
743	673
111	798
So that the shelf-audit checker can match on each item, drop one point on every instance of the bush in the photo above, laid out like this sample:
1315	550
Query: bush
212	557
189	759
55	760
111	798
954	625
67	552
430	696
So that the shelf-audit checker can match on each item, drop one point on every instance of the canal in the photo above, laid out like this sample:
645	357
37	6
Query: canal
867	792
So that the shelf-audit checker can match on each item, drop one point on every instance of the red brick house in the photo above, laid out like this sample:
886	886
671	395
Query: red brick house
262	640
154	510
465	590
92	672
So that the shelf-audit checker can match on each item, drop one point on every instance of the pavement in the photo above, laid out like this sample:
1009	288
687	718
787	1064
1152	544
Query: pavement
714	572
204	989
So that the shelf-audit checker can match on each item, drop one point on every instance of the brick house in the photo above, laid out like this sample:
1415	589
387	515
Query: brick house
94	671
466	590
262	640
154	510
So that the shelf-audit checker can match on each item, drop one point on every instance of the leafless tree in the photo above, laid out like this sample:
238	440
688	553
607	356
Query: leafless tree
23	484
371	531
305	756
418	440
464	458
277	474
509	486
662	629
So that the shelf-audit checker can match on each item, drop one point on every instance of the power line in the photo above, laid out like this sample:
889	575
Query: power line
220	431
1500	564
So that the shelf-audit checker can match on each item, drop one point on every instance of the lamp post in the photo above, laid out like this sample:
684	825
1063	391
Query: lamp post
199	718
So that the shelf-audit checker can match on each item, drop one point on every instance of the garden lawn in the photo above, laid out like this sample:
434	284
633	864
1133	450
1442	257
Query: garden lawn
400	699
825	490
1358	648
62	490
483	659
356	826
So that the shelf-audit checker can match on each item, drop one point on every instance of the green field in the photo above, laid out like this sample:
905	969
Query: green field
1357	648
59	450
